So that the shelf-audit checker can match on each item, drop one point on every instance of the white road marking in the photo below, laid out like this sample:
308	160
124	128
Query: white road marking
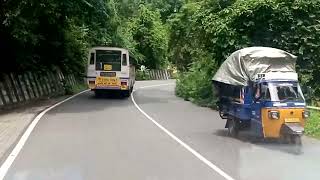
12	156
157	85
194	152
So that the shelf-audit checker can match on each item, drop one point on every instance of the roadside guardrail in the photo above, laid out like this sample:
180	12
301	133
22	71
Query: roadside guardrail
16	89
313	108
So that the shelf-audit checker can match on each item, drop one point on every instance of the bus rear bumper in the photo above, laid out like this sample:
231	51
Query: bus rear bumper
122	88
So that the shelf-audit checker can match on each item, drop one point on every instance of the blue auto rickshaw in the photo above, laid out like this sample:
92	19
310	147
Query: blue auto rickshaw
259	92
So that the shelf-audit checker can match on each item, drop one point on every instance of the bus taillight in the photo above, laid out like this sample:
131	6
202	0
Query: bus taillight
92	84
124	85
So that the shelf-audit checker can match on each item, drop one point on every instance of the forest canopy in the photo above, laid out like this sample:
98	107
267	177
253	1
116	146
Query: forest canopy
195	36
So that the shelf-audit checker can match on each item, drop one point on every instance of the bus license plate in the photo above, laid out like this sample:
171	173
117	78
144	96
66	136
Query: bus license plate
107	81
108	74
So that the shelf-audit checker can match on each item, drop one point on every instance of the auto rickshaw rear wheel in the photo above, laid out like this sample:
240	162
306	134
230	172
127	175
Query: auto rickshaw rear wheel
295	140
291	139
233	126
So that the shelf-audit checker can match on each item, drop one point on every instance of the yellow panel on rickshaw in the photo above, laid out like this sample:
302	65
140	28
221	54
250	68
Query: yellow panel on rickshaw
272	127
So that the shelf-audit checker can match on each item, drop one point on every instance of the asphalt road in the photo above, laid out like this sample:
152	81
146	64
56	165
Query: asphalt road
110	139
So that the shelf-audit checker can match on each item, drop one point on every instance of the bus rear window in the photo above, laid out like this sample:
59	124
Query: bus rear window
91	58
107	60
124	60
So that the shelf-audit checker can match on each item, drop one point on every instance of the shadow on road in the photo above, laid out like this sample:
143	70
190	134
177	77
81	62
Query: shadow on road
271	144
150	96
109	95
89	103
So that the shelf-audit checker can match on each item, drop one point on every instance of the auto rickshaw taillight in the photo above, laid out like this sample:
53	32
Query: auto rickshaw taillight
274	114
306	114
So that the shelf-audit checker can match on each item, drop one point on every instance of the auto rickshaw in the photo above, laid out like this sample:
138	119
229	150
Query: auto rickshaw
259	92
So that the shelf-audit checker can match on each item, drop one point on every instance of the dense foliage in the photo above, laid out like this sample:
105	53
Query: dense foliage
313	126
196	36
41	34
149	36
215	29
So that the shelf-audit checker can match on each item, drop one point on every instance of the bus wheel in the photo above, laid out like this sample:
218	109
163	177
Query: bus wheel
97	94
233	127
126	93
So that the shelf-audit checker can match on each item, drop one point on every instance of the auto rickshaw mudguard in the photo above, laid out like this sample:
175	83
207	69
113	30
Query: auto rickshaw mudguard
292	128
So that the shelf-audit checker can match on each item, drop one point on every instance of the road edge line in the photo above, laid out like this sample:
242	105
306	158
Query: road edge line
192	151
156	85
18	147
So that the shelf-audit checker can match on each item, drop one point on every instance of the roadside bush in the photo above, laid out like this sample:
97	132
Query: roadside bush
313	124
195	85
142	75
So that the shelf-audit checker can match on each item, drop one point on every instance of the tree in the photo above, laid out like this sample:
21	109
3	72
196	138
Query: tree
45	33
149	37
221	27
166	7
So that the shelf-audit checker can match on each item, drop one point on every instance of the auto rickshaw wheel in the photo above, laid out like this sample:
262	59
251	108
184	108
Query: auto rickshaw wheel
221	114
233	127
285	139
295	140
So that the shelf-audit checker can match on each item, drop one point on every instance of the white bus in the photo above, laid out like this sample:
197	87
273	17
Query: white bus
109	68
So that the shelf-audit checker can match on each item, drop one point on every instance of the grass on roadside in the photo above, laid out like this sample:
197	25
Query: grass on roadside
313	125
78	88
70	90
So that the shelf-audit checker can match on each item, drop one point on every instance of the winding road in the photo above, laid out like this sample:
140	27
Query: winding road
152	136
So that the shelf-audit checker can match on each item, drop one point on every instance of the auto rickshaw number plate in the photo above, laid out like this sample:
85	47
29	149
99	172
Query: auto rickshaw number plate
291	120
